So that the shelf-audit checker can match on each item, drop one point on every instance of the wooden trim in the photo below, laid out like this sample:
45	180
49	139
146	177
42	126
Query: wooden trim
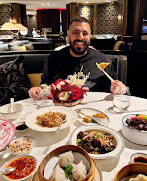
95	19
15	13
125	14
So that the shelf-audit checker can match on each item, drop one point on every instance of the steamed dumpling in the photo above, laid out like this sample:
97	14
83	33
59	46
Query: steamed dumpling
58	174
79	171
66	158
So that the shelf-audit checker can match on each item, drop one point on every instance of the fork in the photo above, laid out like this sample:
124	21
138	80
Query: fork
46	149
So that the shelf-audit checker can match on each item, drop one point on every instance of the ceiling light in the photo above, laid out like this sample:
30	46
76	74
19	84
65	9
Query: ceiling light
48	4
86	1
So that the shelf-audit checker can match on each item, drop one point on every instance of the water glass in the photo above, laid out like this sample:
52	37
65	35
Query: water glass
121	102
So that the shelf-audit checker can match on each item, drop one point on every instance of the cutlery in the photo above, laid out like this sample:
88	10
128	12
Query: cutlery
46	149
12	106
57	131
96	119
59	127
105	73
8	170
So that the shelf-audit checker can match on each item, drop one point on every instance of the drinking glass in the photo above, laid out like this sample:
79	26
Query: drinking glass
121	102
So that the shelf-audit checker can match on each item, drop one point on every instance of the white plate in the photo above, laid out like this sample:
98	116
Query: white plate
117	140
90	112
71	116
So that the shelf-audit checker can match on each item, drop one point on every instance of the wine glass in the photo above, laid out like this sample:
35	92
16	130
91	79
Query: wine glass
121	103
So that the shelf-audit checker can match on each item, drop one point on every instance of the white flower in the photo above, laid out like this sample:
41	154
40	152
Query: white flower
63	96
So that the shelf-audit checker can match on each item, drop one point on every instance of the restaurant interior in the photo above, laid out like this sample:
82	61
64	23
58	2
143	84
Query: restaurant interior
118	27
31	31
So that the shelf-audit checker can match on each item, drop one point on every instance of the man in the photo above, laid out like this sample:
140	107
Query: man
70	59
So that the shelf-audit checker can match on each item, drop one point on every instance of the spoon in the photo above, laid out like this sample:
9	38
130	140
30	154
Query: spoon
58	129
12	105
8	170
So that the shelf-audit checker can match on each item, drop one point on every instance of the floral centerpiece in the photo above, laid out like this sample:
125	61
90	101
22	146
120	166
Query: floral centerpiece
66	91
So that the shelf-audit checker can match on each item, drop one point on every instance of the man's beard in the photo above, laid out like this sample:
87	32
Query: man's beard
79	50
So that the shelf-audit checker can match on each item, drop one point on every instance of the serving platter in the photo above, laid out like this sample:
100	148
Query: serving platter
71	117
84	112
117	140
7	131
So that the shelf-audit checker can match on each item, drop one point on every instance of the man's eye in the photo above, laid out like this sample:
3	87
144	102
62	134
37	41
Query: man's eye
75	32
85	34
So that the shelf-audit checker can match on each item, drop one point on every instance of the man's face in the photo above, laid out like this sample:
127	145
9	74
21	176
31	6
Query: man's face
79	37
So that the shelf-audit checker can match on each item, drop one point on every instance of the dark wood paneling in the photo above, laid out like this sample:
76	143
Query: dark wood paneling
49	18
64	21
72	12
23	14
15	13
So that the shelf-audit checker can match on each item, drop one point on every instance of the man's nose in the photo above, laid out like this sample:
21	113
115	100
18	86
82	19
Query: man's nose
80	36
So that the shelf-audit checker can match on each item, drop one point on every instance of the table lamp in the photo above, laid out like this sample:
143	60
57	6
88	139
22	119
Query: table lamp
14	27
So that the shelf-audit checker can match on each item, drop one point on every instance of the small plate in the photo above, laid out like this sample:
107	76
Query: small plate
71	117
117	141
7	132
90	112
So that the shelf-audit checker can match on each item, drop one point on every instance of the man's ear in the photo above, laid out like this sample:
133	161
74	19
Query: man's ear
67	41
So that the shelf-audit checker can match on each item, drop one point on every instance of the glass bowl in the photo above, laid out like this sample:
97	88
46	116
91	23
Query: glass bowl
22	145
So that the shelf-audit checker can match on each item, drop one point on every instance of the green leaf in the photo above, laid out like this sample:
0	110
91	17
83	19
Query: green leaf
78	141
93	121
68	170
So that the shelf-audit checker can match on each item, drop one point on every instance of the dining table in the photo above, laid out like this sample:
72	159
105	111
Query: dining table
97	100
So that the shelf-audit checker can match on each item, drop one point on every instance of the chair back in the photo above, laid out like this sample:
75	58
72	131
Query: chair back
119	66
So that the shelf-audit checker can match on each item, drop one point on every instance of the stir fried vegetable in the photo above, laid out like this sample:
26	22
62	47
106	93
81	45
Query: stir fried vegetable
95	142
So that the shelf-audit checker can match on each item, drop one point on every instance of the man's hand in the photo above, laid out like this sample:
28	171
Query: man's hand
117	87
34	92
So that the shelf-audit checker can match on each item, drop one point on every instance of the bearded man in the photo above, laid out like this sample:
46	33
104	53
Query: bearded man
70	59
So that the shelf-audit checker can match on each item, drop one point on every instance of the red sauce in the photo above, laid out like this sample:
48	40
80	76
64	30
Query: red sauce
140	159
24	167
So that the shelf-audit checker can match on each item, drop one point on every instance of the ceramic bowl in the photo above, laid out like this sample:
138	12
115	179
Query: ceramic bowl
132	134
79	154
6	113
20	127
130	169
117	141
20	157
29	139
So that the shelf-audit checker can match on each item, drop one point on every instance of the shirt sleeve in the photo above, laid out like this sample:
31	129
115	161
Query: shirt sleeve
50	71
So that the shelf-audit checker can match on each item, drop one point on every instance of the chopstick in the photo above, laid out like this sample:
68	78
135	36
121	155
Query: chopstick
105	73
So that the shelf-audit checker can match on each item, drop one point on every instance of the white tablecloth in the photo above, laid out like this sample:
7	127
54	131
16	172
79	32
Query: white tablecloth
96	100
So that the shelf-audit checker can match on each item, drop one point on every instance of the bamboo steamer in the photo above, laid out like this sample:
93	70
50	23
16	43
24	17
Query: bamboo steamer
62	149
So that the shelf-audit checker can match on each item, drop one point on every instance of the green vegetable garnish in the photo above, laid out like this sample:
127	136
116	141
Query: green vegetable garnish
78	141
68	170
145	117
93	121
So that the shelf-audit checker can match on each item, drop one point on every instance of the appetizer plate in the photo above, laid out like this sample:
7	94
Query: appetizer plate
71	117
7	131
90	112
117	140
131	133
